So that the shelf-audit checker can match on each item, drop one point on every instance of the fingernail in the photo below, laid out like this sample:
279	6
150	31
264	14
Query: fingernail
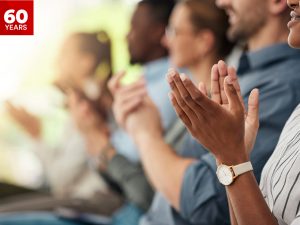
183	77
172	72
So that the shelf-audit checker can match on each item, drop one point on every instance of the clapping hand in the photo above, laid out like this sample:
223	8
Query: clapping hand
221	123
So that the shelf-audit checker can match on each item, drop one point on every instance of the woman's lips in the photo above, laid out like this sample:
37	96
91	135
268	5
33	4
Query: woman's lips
295	18
295	15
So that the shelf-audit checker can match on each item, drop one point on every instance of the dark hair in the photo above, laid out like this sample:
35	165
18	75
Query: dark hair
161	9
204	14
99	45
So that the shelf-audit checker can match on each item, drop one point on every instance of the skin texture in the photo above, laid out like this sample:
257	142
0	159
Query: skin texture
190	105
257	23
244	22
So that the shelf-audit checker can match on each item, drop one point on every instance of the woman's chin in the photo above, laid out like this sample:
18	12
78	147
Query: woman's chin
294	40
294	44
178	63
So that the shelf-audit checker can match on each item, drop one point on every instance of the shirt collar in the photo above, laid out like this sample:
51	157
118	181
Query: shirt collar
154	68
266	56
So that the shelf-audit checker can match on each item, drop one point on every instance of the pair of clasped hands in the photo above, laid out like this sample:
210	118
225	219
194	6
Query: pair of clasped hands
220	122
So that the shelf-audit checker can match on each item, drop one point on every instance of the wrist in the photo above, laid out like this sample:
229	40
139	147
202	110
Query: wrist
110	153
104	156
98	136
238	157
146	137
97	140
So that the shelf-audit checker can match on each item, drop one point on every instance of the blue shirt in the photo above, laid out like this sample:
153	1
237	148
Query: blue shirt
275	71
158	89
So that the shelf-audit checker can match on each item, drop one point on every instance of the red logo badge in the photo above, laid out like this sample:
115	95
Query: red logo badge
16	17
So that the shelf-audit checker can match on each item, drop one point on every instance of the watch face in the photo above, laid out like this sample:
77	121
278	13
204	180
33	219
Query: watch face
225	175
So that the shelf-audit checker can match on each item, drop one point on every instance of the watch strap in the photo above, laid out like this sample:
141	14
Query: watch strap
242	168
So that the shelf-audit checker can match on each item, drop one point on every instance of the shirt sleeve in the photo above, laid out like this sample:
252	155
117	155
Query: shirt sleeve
132	180
203	198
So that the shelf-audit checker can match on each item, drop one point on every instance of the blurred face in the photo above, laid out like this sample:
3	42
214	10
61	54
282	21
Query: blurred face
246	17
73	65
294	24
182	38
139	39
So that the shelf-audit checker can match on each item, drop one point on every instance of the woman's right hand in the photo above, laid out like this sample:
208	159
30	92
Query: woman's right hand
220	123
29	122
218	95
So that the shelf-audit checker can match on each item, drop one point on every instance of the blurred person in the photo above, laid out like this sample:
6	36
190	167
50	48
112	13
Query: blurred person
84	65
147	28
96	130
194	192
191	24
276	200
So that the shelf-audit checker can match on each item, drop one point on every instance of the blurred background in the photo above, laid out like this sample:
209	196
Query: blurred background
28	68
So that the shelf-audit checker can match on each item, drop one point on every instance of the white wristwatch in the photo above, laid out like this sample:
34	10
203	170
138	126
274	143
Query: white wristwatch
227	174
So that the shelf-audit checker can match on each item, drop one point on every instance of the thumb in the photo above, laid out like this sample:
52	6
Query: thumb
253	107
114	82
232	94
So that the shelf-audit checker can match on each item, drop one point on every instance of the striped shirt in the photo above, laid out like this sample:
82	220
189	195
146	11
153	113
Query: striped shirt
280	181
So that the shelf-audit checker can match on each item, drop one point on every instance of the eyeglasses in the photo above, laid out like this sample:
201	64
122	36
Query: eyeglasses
172	32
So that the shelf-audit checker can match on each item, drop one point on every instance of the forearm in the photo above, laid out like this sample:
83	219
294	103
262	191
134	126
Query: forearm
248	203
164	167
232	216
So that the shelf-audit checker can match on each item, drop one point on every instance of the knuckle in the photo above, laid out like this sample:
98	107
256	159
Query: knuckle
215	92
187	98
198	98
181	102
180	114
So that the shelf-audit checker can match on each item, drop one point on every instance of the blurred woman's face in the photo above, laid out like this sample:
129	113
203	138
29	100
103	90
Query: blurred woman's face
181	38
294	24
74	66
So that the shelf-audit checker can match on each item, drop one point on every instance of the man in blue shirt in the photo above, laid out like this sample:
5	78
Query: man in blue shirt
188	189
148	24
